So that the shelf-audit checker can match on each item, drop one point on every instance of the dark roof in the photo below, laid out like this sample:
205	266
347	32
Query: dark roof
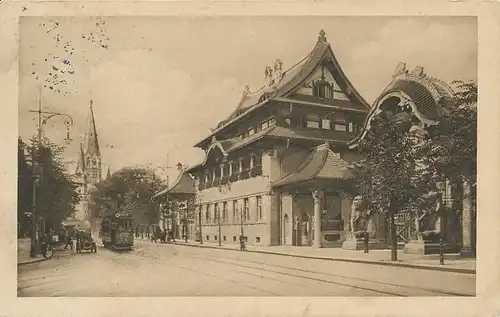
428	94
309	134
184	184
291	79
420	95
333	103
321	164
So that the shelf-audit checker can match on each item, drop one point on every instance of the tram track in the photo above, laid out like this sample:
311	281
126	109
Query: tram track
241	263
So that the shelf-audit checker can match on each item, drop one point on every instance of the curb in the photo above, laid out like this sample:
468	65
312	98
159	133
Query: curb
393	264
36	261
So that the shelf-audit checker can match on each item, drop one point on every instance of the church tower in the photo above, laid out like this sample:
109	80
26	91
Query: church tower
88	169
92	153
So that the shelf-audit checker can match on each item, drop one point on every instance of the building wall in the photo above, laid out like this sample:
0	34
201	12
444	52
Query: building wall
257	231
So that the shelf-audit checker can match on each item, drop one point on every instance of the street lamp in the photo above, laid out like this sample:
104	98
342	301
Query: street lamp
43	118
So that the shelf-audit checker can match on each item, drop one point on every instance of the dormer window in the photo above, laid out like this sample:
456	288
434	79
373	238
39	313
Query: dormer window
239	136
251	131
323	89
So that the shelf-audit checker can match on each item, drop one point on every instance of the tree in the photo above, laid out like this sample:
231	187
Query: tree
389	176
24	189
129	190
56	195
452	149
451	152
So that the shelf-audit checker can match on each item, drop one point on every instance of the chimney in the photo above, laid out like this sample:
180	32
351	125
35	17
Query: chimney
278	70
269	75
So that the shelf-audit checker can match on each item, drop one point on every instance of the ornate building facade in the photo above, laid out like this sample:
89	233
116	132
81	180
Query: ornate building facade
277	169
88	170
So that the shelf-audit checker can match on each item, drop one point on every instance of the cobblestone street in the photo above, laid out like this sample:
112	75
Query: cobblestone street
175	270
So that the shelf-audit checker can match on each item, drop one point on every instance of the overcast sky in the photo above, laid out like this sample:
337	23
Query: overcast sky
160	84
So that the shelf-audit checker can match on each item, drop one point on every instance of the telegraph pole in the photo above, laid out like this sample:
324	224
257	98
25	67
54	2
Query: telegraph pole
68	122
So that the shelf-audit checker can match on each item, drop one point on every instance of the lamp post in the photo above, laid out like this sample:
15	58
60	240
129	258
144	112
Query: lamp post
218	223
43	118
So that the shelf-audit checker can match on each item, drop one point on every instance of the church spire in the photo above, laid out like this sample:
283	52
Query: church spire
108	175
91	136
80	166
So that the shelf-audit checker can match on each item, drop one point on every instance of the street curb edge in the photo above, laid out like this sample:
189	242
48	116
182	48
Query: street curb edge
412	266
35	261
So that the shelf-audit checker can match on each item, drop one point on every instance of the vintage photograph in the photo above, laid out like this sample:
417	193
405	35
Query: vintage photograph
247	156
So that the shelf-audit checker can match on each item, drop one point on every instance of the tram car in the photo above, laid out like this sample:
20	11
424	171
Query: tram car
117	232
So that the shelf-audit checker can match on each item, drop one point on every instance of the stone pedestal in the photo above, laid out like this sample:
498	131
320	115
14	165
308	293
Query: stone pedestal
429	247
353	243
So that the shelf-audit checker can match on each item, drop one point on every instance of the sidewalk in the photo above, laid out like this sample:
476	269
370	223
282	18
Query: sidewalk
23	253
452	262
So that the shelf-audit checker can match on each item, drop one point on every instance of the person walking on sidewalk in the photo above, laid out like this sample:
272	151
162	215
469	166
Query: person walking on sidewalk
242	243
366	238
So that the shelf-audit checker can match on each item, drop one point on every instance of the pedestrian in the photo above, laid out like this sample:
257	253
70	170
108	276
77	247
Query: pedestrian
69	241
43	240
366	238
242	242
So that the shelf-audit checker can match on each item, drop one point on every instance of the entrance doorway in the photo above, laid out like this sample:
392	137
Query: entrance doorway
305	230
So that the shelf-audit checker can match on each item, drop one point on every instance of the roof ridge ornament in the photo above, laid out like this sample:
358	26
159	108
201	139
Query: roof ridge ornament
418	71
321	37
400	69
246	90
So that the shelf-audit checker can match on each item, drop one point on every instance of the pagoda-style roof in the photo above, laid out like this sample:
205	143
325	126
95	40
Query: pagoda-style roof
320	165
183	185
287	82
426	97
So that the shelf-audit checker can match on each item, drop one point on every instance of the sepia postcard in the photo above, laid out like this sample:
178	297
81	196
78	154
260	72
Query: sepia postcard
231	158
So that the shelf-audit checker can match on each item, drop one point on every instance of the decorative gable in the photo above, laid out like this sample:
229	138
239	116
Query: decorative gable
321	75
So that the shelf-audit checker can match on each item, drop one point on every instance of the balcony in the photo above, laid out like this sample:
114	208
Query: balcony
255	171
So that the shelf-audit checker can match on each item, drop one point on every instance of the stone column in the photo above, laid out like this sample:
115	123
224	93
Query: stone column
467	247
317	196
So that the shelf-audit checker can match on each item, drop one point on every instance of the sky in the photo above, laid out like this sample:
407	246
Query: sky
159	84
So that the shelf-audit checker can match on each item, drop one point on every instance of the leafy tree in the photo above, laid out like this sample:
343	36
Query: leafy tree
452	149
56	195
24	188
390	177
129	190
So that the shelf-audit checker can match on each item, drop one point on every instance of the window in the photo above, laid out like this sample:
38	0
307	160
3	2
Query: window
272	121
239	136
326	124
257	239
224	238
251	131
207	213
340	127
234	238
351	127
208	238
224	211
235	210
264	125
323	89
215	238
312	124
246	209
246	239
259	207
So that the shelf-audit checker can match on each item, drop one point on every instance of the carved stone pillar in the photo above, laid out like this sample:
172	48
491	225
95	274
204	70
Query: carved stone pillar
317	196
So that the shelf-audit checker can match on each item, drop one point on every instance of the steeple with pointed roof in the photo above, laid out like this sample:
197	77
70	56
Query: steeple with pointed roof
92	153
108	174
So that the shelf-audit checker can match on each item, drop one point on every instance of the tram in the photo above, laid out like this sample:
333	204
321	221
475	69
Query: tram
117	232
